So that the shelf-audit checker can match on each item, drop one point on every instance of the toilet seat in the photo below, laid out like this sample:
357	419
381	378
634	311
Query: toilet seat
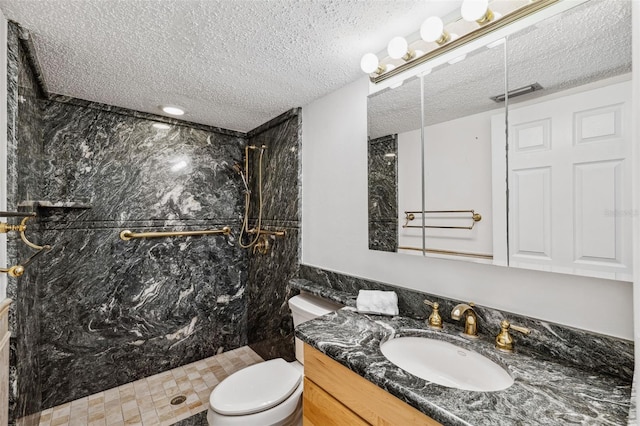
256	388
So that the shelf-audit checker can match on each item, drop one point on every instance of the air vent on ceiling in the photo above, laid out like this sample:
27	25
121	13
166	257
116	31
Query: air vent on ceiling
518	92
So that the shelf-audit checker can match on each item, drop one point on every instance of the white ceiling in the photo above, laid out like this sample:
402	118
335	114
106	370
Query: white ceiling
230	63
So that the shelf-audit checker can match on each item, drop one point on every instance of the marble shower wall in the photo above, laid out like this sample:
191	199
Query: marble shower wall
114	311
270	324
24	153
383	193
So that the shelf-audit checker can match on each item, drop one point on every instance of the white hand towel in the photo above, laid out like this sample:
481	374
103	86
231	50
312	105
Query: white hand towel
377	302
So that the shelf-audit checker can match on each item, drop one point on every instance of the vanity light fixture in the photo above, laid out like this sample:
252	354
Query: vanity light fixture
370	64
476	10
173	110
437	37
432	30
398	48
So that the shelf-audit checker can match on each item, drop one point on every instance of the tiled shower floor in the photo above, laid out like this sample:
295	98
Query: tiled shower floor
148	401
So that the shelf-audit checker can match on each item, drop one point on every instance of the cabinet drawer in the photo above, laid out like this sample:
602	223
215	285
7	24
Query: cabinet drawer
321	409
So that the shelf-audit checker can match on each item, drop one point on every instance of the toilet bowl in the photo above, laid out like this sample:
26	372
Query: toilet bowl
268	393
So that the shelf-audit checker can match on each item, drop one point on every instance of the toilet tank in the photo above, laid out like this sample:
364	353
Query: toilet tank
305	307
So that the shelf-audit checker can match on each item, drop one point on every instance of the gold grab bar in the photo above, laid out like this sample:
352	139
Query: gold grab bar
127	235
18	270
409	216
450	252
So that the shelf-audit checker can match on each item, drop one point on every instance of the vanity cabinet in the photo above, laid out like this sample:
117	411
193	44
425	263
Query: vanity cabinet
335	395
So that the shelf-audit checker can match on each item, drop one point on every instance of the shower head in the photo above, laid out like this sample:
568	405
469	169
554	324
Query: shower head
237	168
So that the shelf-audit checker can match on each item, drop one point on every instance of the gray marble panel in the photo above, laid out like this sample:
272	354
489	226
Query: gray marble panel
383	235
129	170
142	115
383	178
24	152
383	193
269	289
581	348
280	177
270	324
115	311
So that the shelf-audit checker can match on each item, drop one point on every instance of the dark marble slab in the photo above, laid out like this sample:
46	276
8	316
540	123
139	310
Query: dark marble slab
24	155
268	293
585	350
338	296
270	330
383	178
383	235
81	103
199	419
280	169
544	392
115	311
129	170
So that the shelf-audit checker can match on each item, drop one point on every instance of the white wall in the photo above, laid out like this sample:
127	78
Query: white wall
334	235
3	148
457	152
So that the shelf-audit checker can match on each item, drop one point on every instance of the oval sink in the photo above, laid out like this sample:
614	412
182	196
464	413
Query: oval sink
446	364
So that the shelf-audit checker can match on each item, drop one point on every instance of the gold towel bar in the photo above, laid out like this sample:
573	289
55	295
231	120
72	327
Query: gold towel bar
409	216
127	235
449	252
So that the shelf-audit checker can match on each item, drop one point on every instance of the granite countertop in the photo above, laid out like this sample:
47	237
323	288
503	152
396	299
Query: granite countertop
544	391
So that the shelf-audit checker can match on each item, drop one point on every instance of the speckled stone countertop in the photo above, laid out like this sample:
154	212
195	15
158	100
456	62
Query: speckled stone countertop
544	391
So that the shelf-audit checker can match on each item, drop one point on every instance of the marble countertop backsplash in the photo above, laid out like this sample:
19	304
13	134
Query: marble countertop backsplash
547	389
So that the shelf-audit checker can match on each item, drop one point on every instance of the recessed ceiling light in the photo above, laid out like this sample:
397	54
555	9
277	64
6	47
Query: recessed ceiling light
173	110
161	126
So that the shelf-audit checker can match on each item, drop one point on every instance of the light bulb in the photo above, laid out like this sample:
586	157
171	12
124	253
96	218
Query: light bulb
173	110
432	30
476	10
397	47
369	63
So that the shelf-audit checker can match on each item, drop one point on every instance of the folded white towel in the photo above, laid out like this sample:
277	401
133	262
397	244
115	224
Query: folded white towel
377	302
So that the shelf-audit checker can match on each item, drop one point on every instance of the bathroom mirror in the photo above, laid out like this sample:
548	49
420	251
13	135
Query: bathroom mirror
569	162
393	117
567	213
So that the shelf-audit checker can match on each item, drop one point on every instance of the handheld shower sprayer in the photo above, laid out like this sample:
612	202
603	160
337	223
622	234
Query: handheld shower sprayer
237	167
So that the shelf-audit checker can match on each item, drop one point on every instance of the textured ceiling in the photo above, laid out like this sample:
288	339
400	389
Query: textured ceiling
232	64
584	44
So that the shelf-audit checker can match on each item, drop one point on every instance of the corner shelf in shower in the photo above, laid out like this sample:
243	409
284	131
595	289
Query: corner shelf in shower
43	204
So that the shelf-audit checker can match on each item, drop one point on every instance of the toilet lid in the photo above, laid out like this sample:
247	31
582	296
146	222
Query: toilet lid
255	388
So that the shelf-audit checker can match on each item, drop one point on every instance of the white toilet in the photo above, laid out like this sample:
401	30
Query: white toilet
268	393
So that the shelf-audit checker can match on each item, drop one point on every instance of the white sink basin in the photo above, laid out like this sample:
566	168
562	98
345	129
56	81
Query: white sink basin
446	364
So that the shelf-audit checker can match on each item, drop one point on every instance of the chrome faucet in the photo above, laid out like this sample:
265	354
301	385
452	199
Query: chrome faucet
471	320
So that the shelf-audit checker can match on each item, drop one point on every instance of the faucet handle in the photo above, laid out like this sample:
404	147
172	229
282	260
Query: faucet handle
504	341
435	320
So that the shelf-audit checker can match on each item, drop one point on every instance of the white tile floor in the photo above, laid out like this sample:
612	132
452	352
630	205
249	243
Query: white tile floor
148	401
